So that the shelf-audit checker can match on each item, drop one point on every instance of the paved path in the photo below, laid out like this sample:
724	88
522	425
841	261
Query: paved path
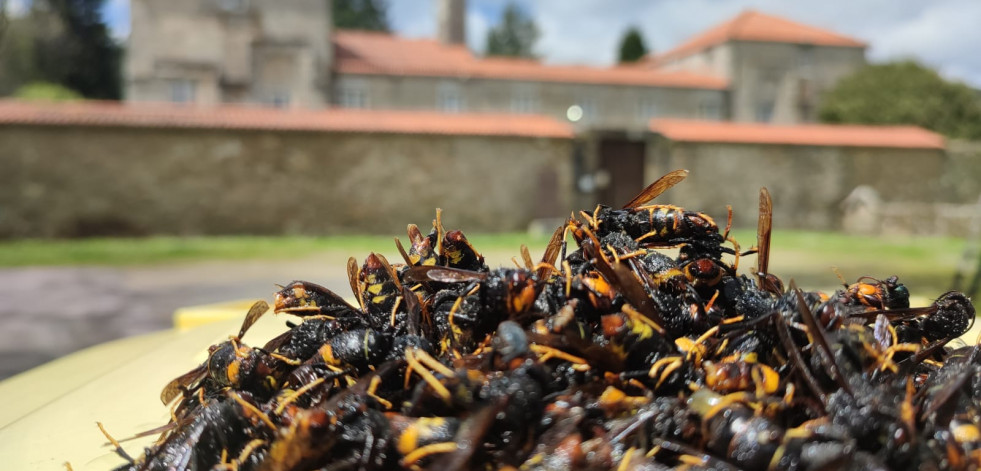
48	312
52	311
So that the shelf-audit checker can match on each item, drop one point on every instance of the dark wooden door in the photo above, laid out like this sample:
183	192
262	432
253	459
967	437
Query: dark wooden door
623	162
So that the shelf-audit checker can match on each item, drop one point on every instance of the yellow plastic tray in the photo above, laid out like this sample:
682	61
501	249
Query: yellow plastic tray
49	414
188	317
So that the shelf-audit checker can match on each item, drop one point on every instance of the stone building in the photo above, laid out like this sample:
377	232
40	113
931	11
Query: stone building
755	67
733	104
211	52
776	69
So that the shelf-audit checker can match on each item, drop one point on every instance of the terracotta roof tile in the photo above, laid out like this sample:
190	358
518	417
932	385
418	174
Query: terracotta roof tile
803	134
163	115
755	26
358	52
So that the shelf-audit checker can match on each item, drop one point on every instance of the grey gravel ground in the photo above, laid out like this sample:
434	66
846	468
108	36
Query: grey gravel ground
48	312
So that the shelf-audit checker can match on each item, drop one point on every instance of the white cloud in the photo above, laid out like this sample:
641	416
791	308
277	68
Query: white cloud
944	36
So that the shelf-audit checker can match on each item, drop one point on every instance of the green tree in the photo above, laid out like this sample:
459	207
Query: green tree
632	47
81	56
904	93
370	15
63	42
17	46
514	36
4	19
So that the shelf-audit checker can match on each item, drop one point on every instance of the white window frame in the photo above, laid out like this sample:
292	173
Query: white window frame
525	100
183	91
590	110
449	97
352	95
710	109
764	111
805	57
280	99
647	109
233	6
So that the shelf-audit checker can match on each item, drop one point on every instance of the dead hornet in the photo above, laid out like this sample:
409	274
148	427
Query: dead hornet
475	302
229	421
733	429
376	288
232	364
660	225
949	317
450	249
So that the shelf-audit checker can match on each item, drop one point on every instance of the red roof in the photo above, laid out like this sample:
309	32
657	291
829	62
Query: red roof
368	53
911	137
163	115
755	26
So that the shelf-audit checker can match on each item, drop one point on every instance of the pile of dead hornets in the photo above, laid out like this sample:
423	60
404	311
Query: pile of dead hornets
607	355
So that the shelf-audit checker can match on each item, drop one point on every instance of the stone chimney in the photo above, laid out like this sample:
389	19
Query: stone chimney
451	22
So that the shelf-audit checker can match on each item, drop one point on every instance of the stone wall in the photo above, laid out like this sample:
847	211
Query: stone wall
59	181
962	176
808	184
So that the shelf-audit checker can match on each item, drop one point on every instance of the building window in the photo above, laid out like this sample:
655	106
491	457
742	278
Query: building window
449	97
233	6
589	108
764	112
280	99
352	95
806	110
710	109
646	109
182	91
771	79
525	100
805	57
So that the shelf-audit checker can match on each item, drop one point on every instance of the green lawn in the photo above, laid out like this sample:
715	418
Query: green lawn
924	263
142	251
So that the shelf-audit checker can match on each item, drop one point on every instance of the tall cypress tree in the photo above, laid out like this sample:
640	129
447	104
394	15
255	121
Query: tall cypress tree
632	47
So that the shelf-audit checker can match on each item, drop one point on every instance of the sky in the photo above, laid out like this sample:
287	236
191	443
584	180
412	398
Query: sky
940	33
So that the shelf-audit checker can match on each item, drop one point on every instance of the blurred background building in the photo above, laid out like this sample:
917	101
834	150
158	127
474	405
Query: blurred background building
209	52
231	91
754	67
